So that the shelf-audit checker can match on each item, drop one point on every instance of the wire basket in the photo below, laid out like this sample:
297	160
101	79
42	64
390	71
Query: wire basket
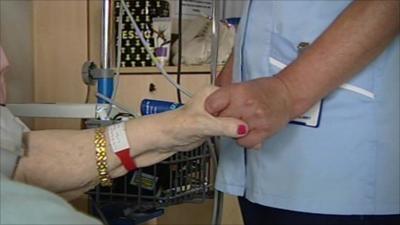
142	194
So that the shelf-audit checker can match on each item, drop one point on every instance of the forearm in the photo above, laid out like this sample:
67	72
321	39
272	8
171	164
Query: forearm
64	160
57	158
356	37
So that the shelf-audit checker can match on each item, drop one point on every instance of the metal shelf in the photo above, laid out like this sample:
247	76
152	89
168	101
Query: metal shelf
198	69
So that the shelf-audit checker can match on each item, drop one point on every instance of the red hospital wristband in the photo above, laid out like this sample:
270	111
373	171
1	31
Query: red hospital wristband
120	146
125	157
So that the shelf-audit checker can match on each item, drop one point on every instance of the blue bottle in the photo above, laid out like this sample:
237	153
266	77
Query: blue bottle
151	106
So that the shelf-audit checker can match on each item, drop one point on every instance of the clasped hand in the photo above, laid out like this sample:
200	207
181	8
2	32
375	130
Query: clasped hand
264	104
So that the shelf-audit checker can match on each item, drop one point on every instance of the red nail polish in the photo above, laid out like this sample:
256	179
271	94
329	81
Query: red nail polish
242	129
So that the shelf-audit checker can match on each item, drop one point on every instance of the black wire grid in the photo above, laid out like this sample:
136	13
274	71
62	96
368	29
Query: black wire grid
183	178
143	194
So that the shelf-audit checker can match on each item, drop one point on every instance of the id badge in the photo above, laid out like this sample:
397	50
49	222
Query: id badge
311	118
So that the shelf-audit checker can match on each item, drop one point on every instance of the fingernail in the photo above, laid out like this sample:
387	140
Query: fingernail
242	129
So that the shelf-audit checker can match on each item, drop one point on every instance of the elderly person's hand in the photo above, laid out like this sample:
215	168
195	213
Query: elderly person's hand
188	126
64	161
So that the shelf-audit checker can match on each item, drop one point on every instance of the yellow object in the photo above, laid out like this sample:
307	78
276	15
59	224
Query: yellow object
101	157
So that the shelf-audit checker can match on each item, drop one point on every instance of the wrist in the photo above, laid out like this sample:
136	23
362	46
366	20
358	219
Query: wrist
276	88
171	125
298	99
117	137
150	132
135	131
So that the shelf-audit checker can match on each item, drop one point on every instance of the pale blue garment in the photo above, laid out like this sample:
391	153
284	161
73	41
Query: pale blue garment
25	204
350	163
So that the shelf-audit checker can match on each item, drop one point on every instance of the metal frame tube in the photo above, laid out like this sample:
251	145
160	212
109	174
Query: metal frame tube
105	84
106	34
216	17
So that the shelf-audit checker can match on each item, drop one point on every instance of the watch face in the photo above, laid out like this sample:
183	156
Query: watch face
133	52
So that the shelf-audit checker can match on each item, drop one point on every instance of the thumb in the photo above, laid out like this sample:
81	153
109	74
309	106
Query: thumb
230	127
217	101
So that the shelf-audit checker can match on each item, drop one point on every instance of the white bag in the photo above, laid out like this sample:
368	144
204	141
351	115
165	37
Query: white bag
196	42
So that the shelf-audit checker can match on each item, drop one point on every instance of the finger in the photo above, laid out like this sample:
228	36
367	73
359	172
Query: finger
218	101
244	111
256	123
229	127
253	139
232	111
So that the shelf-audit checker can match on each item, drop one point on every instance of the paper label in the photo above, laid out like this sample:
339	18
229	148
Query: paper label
117	137
144	180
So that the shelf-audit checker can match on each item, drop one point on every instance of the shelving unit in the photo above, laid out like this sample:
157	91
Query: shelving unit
134	86
187	70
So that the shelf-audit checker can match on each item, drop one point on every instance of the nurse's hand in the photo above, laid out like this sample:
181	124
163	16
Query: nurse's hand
264	104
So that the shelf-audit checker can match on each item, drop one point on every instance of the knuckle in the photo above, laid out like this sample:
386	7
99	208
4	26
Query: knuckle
249	102
260	112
